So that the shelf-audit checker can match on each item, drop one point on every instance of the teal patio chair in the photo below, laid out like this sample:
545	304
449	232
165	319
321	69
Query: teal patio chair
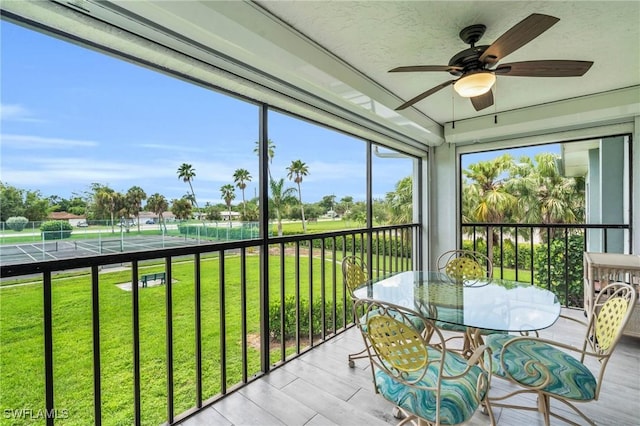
427	383
557	371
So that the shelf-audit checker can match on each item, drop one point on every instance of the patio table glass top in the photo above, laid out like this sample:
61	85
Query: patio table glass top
486	303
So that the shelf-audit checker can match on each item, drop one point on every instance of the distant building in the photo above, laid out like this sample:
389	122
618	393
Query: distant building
73	219
227	215
145	216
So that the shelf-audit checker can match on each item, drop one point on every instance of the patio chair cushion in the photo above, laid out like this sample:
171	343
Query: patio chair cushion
459	399
569	377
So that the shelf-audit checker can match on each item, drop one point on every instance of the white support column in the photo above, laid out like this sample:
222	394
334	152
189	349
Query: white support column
635	180
443	206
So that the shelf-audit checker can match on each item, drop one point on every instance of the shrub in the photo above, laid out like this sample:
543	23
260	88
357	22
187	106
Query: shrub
290	318
506	259
17	223
560	269
379	245
56	229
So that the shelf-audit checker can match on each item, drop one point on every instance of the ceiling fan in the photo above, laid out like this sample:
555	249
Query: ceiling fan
476	66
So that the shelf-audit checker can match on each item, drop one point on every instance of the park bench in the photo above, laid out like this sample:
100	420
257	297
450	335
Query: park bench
152	277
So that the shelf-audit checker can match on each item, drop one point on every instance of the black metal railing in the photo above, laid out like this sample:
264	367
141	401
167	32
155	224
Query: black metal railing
226	314
546	255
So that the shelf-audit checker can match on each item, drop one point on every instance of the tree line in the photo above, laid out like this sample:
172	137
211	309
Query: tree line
101	202
501	190
526	191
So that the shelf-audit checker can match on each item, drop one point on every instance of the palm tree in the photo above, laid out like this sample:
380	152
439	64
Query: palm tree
189	197
485	194
252	212
279	199
271	152
135	196
241	177
544	196
400	202
109	200
158	204
228	194
345	203
329	203
297	170
186	172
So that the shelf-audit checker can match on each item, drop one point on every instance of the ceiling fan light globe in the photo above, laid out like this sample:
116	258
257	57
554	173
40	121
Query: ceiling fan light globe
476	84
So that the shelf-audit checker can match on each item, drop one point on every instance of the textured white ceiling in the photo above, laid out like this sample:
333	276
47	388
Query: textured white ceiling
374	37
330	59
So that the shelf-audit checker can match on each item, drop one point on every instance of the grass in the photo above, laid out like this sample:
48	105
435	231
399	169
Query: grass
21	333
319	226
510	274
21	330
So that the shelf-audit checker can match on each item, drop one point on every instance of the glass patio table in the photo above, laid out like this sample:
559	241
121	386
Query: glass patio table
473	306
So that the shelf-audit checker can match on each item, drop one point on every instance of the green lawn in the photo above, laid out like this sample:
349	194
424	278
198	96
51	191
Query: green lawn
510	274
21	332
319	226
21	325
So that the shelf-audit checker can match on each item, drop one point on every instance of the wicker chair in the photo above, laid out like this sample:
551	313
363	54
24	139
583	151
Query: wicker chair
550	369
354	273
427	383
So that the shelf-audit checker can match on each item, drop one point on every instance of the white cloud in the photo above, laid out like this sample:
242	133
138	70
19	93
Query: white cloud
15	112
63	170
33	142
170	147
321	171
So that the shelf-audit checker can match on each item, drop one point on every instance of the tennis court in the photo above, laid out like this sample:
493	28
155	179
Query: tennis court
68	249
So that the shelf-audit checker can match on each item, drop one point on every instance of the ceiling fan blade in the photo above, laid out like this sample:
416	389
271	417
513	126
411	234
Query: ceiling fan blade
423	95
550	68
517	36
482	101
422	68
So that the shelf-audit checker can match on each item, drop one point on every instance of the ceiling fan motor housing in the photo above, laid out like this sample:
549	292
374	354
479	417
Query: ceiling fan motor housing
468	59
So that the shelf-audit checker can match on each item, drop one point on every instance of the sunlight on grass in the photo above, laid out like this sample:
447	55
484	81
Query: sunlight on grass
21	326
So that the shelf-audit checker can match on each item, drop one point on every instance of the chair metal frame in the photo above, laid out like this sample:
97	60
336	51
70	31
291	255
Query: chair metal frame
354	274
465	267
609	315
395	346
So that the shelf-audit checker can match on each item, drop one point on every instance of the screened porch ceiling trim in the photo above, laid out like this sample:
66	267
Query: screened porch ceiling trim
201	67
232	46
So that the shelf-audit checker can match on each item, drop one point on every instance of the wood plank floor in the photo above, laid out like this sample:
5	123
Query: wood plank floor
319	388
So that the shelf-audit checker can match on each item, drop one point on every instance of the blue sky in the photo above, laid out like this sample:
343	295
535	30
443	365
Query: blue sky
72	116
516	153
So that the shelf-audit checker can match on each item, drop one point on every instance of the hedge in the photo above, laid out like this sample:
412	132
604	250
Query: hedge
56	229
290	318
568	285
508	257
